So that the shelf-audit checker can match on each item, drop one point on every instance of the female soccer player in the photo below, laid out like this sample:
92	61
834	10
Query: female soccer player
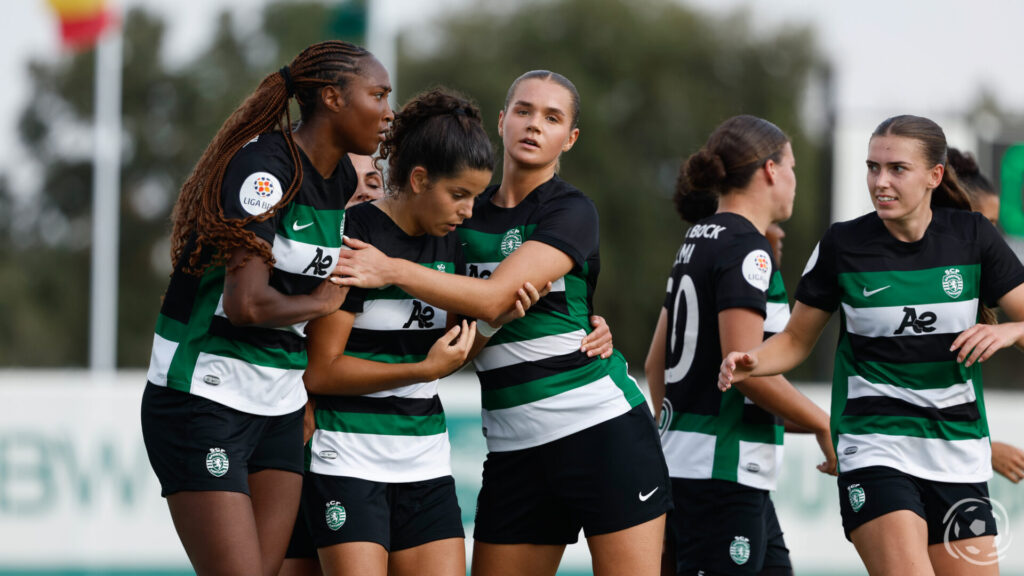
908	418
257	231
371	183
571	441
724	450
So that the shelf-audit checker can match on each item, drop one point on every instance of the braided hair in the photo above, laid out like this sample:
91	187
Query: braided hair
198	218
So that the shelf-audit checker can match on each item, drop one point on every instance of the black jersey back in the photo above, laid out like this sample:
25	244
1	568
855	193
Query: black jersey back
725	262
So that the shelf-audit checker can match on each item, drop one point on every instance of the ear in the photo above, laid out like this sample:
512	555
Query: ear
419	180
501	124
770	169
935	176
573	136
333	98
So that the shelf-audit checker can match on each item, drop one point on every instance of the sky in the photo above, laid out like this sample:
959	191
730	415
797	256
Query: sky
928	57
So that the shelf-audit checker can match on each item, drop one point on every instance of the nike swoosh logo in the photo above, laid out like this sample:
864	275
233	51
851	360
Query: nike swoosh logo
870	293
643	497
296	227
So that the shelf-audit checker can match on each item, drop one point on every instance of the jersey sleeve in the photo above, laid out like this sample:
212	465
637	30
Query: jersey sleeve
254	182
819	285
570	224
1001	270
743	274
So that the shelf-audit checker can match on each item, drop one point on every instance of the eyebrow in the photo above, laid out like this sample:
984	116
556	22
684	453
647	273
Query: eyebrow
551	110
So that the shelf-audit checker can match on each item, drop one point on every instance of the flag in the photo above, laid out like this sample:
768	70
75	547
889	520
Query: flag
82	21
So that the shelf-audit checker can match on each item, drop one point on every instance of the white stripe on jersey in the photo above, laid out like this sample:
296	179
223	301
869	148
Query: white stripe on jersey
299	329
295	257
502	355
689	454
948	460
386	314
858	387
160	360
950	318
554	417
420	390
759	465
260	390
776	317
380	458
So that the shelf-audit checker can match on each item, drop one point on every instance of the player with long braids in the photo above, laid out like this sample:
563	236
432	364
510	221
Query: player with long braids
257	231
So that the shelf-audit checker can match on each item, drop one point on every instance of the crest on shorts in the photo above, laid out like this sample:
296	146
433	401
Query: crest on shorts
739	550
953	283
217	462
857	497
513	239
335	515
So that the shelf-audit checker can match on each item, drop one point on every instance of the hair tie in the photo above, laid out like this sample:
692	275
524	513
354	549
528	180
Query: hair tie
459	111
289	86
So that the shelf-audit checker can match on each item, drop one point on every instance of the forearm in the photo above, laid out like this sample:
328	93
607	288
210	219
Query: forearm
473	297
778	396
270	309
351	376
654	365
780	354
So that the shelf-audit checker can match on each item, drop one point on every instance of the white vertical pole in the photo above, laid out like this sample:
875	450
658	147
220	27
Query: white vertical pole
381	40
106	184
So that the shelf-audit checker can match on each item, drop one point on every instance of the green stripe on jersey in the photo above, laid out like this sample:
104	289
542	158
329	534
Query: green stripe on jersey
916	376
913	426
387	358
536	324
255	355
910	287
541	388
777	289
211	286
308	225
380	424
484	247
171	329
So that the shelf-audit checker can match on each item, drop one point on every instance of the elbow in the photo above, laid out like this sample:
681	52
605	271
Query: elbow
313	381
240	311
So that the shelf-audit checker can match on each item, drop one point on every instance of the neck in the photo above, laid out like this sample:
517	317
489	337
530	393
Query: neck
912	227
315	140
401	213
746	205
518	181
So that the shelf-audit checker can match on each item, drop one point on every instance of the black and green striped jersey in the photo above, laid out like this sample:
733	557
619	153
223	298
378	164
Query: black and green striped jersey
537	386
396	435
723	263
899	397
196	348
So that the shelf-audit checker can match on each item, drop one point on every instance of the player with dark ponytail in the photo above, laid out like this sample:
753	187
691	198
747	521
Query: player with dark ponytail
257	231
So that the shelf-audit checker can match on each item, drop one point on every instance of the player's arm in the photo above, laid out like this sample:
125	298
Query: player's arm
485	299
741	329
778	354
331	371
654	366
979	342
250	300
1008	460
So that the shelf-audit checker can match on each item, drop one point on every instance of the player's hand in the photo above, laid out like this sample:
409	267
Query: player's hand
824	439
1008	460
363	266
736	367
451	350
599	341
979	342
330	294
526	297
308	421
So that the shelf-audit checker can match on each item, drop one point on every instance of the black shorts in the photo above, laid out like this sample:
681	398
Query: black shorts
721	527
603	479
301	543
198	444
867	493
395	515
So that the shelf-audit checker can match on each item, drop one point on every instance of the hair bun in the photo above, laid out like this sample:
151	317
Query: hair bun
705	170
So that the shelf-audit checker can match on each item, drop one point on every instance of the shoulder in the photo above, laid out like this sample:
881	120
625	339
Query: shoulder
559	193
